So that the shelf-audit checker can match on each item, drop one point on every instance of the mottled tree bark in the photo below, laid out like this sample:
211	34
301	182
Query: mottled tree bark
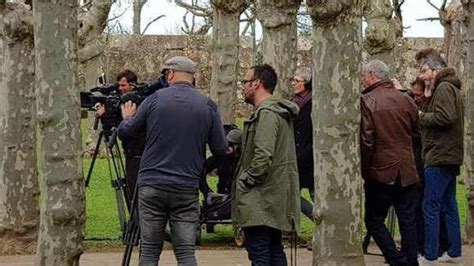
19	213
279	42
137	16
380	33
336	57
452	21
91	45
59	140
469	116
225	48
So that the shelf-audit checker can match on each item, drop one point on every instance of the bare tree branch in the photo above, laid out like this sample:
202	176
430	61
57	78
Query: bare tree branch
433	5
429	19
151	22
116	16
93	22
195	9
443	5
442	8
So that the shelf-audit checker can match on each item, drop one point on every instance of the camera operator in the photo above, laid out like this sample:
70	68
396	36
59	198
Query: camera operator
179	122
133	146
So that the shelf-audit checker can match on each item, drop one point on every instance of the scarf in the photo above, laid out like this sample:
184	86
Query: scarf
302	98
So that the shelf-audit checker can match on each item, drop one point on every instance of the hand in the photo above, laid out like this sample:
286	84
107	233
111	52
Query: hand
129	109
229	150
99	110
428	93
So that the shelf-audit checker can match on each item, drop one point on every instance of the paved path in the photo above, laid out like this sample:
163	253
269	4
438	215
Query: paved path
206	257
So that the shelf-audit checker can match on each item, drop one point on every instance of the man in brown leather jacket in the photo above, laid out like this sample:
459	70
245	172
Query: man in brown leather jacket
389	122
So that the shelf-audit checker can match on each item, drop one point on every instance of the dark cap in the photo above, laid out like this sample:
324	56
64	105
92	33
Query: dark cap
234	136
181	64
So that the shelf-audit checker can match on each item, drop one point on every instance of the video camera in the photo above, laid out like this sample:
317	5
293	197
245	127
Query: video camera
109	95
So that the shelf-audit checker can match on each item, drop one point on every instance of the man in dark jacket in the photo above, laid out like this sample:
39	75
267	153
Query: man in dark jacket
132	146
441	122
179	122
389	122
301	83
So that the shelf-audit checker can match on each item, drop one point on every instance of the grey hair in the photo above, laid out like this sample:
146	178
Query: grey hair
434	62
378	68
304	72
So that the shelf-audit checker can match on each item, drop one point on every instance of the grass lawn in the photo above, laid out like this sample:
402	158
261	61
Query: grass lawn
102	218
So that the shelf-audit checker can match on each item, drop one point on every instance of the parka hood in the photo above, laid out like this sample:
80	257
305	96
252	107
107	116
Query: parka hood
447	75
285	108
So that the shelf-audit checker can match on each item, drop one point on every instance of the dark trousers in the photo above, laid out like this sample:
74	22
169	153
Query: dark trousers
264	246
378	198
156	208
306	206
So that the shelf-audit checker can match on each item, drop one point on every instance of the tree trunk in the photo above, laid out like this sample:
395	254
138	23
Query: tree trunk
336	55
279	42
137	16
225	48
59	139
453	35
469	160
91	46
380	32
19	213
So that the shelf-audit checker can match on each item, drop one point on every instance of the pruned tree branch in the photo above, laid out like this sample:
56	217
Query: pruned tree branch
195	9
151	22
428	19
441	8
93	22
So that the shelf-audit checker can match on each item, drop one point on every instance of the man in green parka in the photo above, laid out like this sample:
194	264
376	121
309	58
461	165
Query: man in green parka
266	182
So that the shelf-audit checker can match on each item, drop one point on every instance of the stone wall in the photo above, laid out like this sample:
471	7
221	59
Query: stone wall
145	55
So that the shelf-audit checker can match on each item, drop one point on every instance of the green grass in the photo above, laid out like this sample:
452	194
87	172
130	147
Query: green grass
101	207
102	218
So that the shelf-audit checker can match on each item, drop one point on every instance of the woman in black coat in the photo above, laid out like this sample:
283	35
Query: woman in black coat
301	83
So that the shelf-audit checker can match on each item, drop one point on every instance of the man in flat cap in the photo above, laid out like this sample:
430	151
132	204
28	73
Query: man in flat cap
179	122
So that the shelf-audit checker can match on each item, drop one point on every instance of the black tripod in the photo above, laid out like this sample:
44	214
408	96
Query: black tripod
116	170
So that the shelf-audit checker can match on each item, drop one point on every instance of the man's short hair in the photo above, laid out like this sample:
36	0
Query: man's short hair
267	75
422	54
129	75
434	62
418	82
378	68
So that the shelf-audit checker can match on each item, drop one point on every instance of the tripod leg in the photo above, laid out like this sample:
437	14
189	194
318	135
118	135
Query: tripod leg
94	157
365	243
118	185
391	220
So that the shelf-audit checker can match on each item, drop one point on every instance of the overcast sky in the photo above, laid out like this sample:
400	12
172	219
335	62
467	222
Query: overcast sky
411	11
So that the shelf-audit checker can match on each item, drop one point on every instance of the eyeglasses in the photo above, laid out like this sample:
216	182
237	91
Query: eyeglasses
296	80
245	81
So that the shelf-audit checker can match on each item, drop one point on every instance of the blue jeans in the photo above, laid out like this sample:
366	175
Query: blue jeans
156	208
440	194
264	246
